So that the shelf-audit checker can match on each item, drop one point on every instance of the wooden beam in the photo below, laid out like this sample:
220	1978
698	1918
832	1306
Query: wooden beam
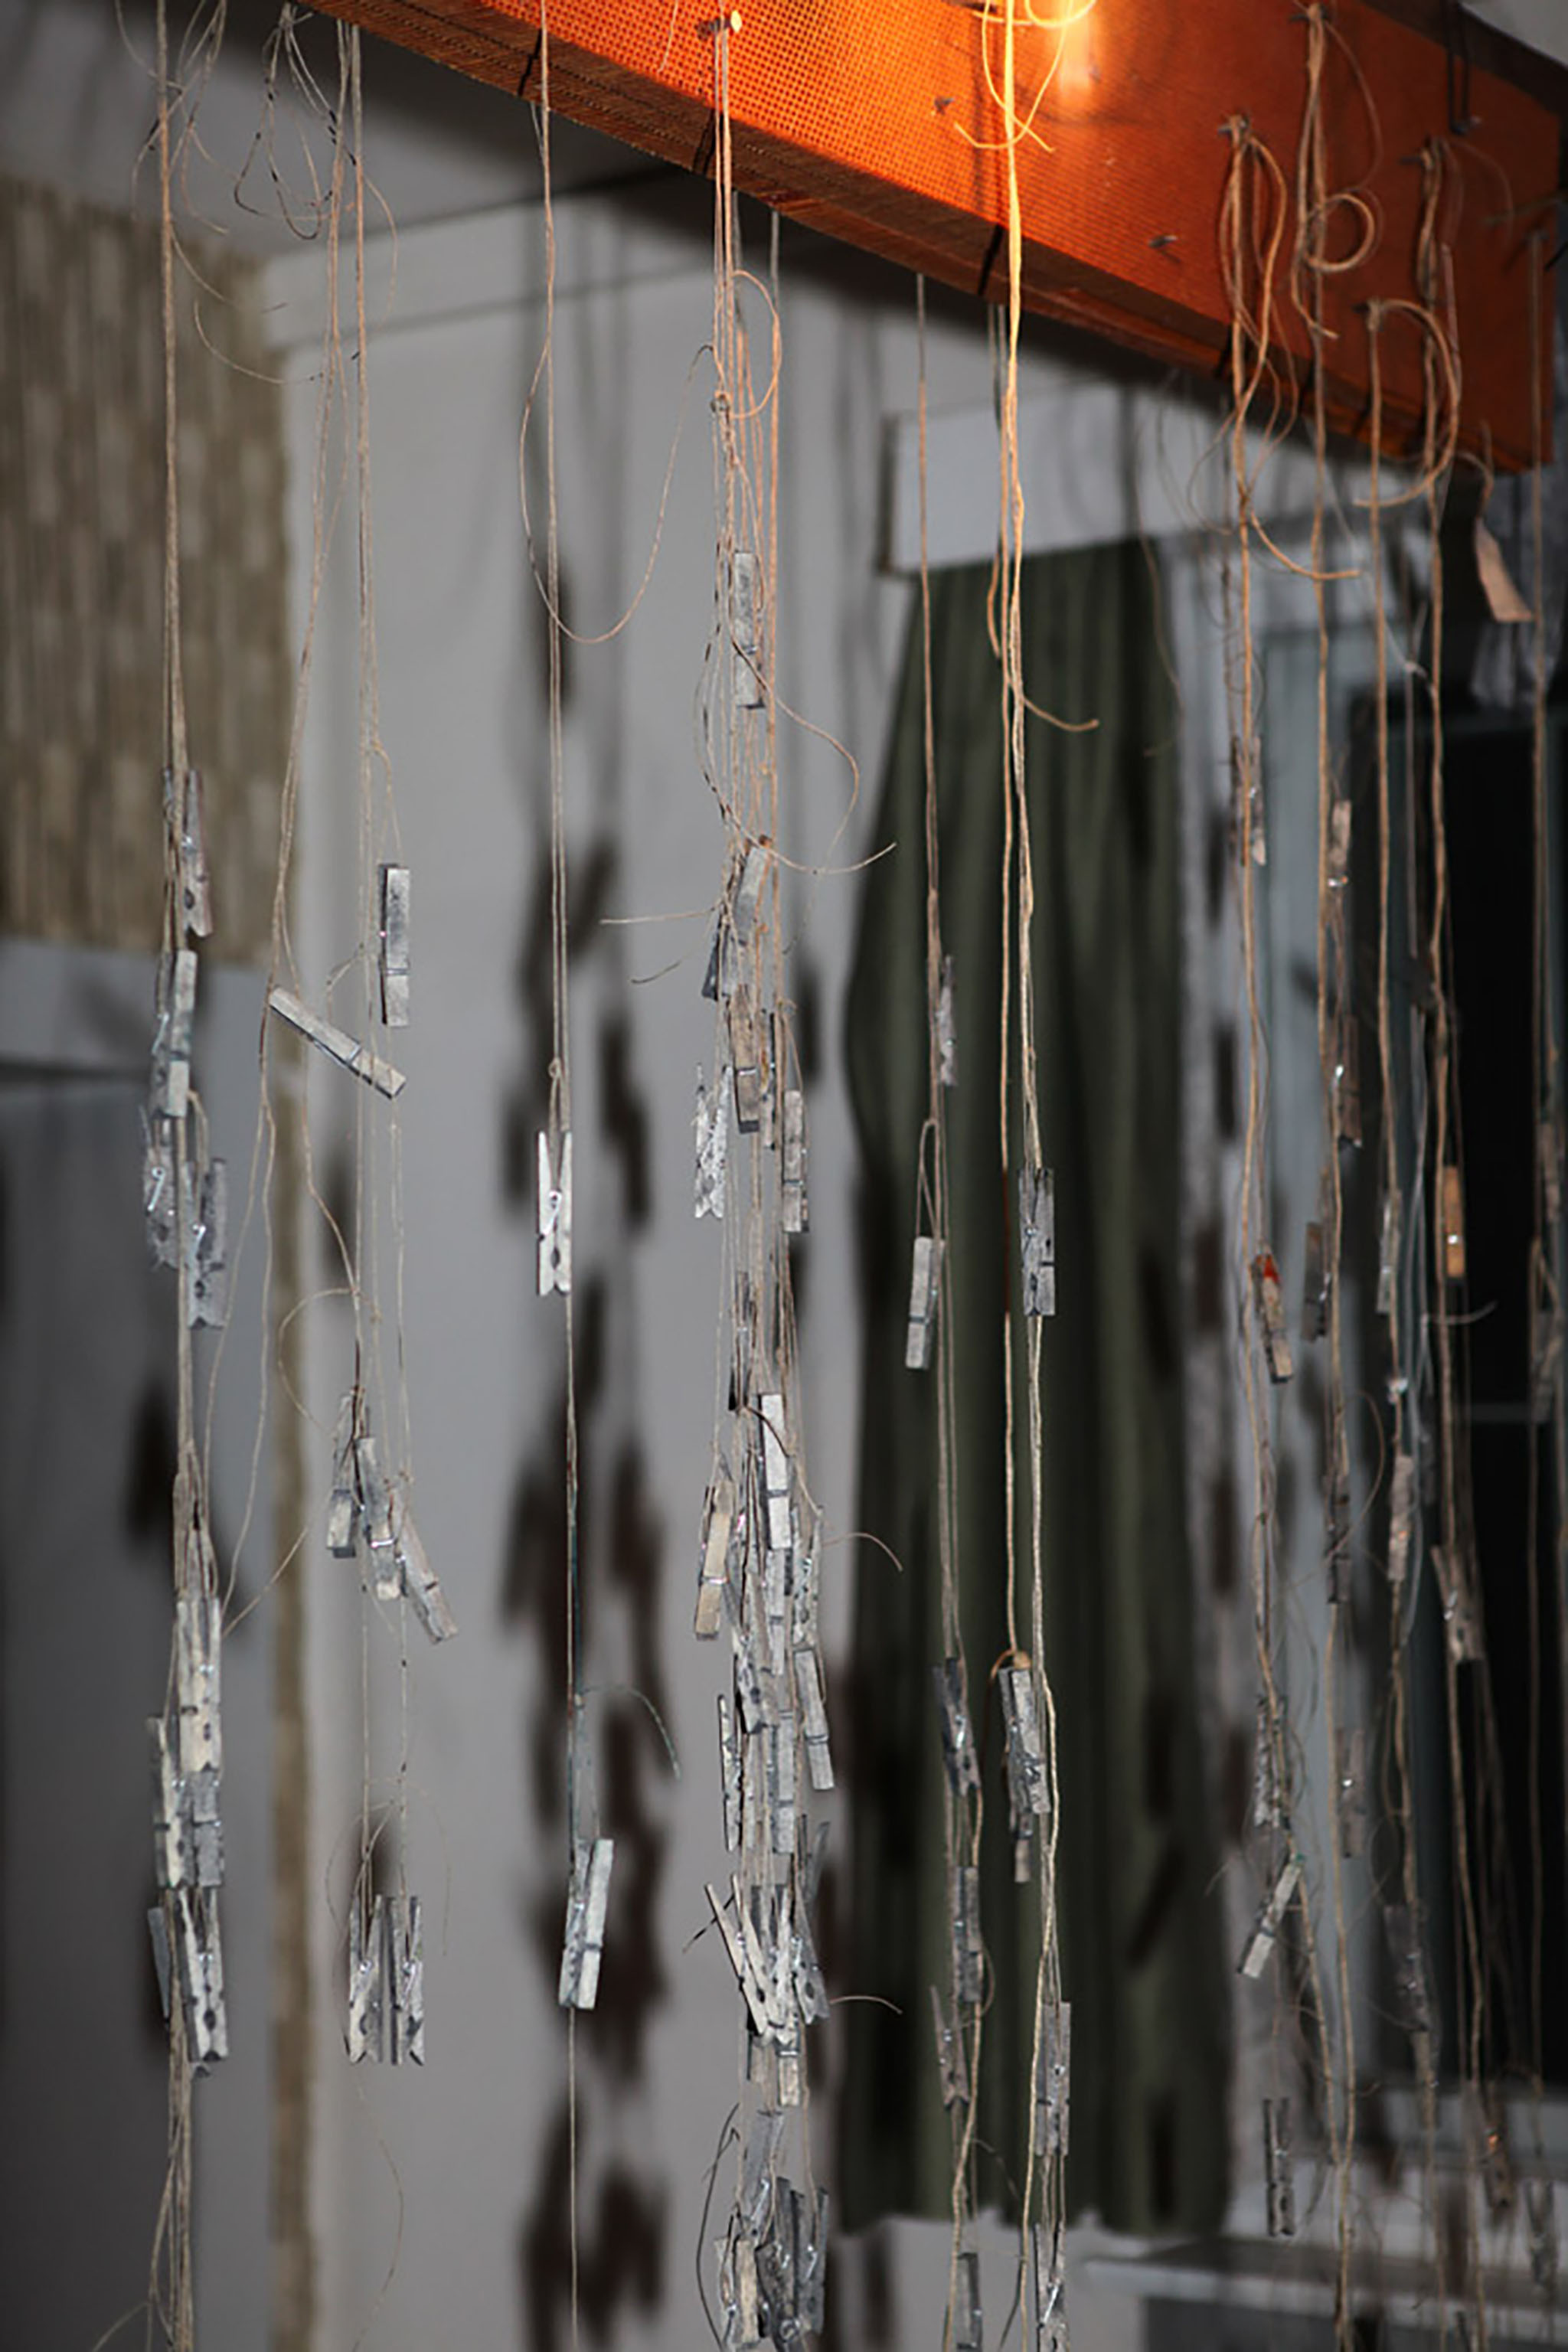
874	121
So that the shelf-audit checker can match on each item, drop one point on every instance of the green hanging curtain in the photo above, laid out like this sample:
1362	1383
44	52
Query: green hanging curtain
1142	1963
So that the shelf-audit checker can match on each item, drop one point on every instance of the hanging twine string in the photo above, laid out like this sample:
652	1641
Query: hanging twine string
1314	208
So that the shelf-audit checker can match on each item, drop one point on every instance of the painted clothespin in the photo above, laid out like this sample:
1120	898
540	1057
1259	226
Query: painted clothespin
1270	1920
957	1736
208	1232
1053	2087
176	1013
1278	2168
746	630
953	2065
186	811
338	1046
555	1214
946	1033
587	1905
925	1286
814	1720
392	894
712	1122
1037	1220
794	1212
1270	1304
1451	1211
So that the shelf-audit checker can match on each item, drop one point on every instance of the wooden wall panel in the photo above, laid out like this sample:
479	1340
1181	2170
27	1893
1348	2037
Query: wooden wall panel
872	119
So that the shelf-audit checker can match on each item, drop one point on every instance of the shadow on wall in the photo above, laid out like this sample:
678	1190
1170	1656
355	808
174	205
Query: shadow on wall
622	2217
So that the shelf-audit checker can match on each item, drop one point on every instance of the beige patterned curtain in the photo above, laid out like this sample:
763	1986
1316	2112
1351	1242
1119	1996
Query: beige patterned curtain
82	601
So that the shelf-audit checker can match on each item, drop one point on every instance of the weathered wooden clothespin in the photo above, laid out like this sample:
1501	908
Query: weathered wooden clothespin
957	1736
587	1906
713	1558
925	1290
946	1032
1270	1920
184	805
554	1215
1037	1220
712	1121
968	2320
176	1010
814	1720
776	1471
748	1058
375	1518
417	1579
1401	1519
1053	2088
1339	842
403	1983
968	1949
952	2064
366	2033
795	1214
746	630
393	893
1278	2168
338	1046
209	1248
